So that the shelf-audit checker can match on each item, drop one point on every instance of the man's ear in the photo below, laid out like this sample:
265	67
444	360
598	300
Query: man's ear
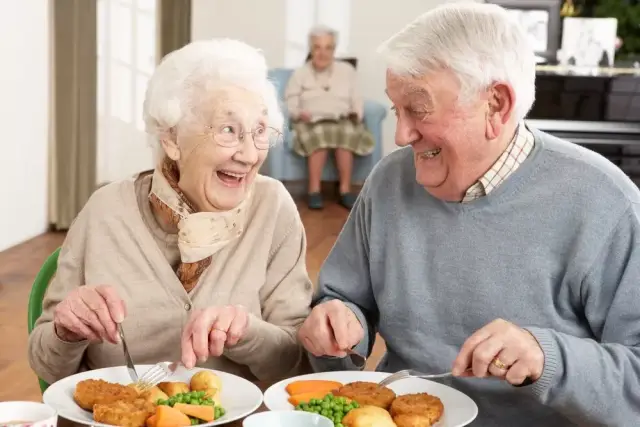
500	103
169	141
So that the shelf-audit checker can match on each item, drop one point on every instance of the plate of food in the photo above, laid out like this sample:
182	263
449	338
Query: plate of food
354	399
106	397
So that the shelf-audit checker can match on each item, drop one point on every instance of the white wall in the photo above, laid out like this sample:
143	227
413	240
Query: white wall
266	28
260	23
24	120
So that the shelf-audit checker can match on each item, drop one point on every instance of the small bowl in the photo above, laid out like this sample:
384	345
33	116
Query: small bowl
22	414
286	419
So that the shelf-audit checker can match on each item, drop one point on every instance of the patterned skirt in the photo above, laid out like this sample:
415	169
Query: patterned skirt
329	135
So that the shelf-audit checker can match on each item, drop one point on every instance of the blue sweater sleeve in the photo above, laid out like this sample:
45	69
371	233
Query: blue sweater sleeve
345	276
597	381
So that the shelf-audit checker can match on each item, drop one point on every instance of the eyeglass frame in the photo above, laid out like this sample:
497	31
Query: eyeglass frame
241	137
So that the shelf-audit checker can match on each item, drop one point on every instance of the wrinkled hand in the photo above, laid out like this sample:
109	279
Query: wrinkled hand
305	116
501	349
330	329
209	331
89	313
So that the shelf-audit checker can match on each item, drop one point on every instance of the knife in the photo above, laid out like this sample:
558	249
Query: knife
127	357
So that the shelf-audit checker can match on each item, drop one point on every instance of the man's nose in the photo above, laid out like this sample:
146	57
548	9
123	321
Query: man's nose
406	132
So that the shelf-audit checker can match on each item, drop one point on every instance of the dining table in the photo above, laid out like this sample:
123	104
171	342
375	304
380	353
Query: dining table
263	385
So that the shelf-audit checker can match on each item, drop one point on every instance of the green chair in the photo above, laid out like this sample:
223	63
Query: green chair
36	296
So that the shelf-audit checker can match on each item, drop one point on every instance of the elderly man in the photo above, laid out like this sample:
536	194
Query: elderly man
485	246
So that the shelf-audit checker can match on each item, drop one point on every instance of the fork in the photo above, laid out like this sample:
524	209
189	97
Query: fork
155	375
410	373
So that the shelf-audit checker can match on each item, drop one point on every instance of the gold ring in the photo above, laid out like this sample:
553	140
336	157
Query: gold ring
499	364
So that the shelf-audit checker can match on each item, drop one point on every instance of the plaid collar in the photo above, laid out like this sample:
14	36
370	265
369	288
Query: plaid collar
509	161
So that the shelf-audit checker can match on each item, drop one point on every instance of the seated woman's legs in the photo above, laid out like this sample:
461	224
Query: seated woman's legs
316	162
344	163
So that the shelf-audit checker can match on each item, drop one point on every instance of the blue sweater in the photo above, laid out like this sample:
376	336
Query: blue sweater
554	249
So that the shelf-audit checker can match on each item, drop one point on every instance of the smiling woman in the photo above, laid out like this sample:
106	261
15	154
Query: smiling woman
200	257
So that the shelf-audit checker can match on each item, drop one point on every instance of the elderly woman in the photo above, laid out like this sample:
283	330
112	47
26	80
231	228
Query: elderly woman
326	113
201	260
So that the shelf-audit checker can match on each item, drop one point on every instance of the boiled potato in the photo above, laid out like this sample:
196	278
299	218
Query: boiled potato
208	382
171	389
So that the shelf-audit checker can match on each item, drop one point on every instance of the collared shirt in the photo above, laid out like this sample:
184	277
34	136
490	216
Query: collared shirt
509	161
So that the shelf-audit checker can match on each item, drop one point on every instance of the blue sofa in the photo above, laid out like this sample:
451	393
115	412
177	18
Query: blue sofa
285	165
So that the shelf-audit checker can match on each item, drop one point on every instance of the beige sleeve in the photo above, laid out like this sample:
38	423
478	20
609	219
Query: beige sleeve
357	105
270	348
50	357
293	92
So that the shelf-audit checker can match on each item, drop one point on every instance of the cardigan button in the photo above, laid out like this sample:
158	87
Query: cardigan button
187	307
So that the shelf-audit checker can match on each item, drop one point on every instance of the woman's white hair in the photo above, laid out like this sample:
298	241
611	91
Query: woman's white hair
322	30
479	43
185	77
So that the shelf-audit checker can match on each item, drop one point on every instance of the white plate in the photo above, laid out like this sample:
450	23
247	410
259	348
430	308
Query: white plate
459	409
239	397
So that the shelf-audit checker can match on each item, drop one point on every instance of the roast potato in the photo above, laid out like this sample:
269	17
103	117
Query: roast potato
154	394
171	388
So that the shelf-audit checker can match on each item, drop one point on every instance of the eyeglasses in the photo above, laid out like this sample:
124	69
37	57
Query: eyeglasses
230	136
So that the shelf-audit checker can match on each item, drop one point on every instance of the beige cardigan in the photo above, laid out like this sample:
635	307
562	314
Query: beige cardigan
327	94
115	240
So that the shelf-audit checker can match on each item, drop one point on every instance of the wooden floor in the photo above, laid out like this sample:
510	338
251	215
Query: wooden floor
19	266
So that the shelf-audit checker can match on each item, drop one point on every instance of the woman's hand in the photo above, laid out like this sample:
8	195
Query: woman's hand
305	116
89	313
209	331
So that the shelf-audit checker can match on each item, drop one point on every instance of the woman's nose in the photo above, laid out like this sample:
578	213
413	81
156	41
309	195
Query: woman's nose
247	152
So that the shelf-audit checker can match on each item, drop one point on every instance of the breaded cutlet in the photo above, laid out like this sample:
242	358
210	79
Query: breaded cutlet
367	393
91	392
124	413
416	410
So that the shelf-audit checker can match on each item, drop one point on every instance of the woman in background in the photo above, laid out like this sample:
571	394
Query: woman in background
326	112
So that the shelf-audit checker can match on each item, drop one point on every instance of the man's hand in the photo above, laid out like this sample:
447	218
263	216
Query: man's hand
501	349
330	329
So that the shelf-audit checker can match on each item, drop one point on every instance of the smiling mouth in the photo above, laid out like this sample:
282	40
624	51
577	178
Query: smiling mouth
430	154
231	179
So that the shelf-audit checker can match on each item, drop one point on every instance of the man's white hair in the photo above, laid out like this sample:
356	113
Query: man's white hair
185	77
322	30
479	43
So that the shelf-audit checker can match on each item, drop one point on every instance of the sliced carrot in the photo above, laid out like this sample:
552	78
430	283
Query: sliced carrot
297	399
307	386
201	412
166	416
151	421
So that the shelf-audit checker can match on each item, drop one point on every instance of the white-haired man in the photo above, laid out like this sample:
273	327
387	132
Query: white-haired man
520	261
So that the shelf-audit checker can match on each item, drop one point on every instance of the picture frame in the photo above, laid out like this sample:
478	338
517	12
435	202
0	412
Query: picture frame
535	13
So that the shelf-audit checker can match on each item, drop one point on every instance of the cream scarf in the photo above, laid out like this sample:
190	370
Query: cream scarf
200	234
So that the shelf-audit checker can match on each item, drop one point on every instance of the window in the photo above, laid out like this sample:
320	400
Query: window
126	60
302	15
